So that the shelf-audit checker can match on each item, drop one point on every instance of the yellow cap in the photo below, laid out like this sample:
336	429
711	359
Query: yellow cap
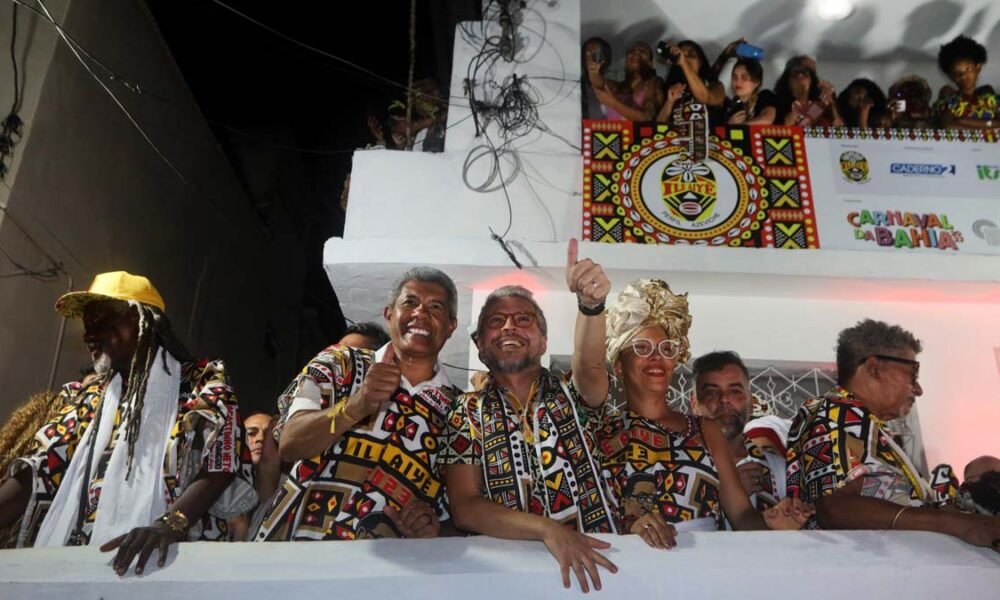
117	285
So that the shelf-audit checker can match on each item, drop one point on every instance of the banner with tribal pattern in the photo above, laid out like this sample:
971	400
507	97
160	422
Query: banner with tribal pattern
648	183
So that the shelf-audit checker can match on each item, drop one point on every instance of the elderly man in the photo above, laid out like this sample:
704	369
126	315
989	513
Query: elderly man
140	458
363	428
722	392
519	455
842	457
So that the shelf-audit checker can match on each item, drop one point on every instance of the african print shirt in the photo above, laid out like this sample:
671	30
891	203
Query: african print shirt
834	440
536	458
389	458
207	436
982	106
651	468
771	489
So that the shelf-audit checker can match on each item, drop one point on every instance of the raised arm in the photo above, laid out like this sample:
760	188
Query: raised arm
587	280
309	433
712	94
607	97
733	497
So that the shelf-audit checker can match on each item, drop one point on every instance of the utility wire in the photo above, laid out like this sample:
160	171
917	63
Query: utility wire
132	120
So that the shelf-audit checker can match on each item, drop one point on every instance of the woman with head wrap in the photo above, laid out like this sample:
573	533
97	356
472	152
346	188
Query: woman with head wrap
664	467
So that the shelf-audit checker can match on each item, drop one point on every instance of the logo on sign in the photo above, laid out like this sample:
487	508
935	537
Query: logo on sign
854	166
987	230
672	196
898	229
988	172
689	189
921	169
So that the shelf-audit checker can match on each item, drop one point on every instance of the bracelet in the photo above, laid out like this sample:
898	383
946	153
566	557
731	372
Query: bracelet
175	521
896	518
340	410
590	311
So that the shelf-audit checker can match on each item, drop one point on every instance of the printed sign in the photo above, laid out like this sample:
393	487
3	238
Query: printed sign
651	184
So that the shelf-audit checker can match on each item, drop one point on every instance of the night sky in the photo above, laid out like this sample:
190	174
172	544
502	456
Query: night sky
265	94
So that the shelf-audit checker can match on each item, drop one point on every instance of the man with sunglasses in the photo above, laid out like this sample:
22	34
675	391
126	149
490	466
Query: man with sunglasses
841	455
520	462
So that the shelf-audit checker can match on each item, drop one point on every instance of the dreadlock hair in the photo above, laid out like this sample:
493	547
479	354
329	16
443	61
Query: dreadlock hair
155	335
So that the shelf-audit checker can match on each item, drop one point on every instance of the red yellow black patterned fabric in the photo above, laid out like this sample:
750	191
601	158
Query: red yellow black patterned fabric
982	106
834	440
651	468
769	494
537	458
390	458
207	436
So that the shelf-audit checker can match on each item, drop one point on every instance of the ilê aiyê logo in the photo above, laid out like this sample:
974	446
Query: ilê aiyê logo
854	166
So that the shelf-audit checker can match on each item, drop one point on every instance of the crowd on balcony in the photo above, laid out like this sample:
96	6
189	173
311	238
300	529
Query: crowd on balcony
800	96
372	440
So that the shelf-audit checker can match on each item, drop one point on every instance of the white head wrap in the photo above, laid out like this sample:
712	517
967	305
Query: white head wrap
643	303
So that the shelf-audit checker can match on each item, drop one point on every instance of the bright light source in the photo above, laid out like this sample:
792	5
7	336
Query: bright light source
833	10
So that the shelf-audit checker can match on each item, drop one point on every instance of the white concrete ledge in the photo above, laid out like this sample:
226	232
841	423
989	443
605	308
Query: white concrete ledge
705	565
826	274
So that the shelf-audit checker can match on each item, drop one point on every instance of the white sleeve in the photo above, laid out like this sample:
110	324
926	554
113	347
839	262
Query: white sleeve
307	397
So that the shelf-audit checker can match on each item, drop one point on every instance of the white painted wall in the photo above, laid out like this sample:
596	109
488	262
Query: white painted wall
710	564
412	208
544	188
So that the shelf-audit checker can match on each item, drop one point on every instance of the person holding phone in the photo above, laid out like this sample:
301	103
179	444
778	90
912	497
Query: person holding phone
803	99
749	105
910	103
634	99
596	51
691	80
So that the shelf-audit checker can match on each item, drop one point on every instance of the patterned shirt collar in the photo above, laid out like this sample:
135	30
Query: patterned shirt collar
439	380
843	395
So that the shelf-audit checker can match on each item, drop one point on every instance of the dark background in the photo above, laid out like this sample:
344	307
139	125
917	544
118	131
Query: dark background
289	118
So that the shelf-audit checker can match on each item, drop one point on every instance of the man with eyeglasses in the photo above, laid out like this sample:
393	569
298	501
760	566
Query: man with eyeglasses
841	455
520	462
722	393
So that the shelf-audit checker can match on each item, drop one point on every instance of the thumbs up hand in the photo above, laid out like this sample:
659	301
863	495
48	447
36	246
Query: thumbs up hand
585	278
379	384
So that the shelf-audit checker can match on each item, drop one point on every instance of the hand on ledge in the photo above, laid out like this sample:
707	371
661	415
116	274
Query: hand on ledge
141	541
574	550
790	513
416	520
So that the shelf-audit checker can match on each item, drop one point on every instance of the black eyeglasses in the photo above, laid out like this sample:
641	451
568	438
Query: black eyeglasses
499	319
903	361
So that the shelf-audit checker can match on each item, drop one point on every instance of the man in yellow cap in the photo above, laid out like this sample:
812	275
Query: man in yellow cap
149	454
